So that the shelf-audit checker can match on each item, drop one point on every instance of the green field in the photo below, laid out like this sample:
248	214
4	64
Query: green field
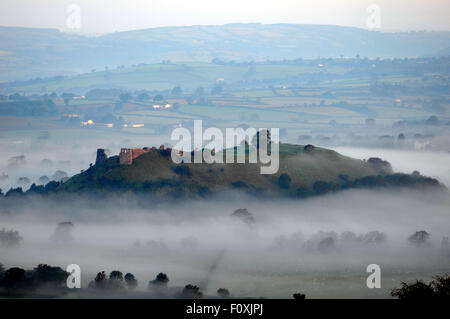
297	96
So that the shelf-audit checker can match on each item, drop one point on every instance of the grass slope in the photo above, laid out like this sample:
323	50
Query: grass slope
155	172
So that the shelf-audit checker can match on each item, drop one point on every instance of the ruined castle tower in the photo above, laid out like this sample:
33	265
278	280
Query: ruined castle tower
126	156
101	156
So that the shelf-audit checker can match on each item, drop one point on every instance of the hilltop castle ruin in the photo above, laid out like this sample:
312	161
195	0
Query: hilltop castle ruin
101	156
126	155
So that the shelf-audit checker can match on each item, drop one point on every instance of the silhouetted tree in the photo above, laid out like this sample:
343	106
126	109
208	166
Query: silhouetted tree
191	292
130	281
416	290
9	237
244	215
14	279
438	288
299	296
441	286
182	170
350	237
125	97
23	181
383	167
115	280
161	280
177	91
326	245
14	192
223	293
100	281
48	275
419	238
432	120
374	237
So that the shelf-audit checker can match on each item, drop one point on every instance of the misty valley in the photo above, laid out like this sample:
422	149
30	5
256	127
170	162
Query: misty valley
244	241
87	175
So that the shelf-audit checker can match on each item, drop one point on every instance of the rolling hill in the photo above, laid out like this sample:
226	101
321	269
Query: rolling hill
304	171
26	53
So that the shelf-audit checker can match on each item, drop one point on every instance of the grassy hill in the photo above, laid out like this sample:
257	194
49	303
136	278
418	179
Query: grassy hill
303	172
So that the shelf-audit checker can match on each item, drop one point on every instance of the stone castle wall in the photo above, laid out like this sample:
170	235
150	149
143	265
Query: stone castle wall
127	155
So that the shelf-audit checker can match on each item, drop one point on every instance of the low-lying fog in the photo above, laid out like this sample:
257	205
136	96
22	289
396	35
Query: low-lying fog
57	156
433	164
276	255
280	253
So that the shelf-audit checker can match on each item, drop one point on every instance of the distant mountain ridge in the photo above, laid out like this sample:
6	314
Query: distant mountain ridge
28	52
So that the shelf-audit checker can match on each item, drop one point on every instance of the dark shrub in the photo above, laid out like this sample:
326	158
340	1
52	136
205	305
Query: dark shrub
37	189
301	192
51	186
203	191
165	152
182	170
441	286
321	187
284	181
438	288
416	290
381	166
239	184
14	192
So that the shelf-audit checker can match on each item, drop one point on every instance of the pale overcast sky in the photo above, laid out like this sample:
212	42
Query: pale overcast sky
102	16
